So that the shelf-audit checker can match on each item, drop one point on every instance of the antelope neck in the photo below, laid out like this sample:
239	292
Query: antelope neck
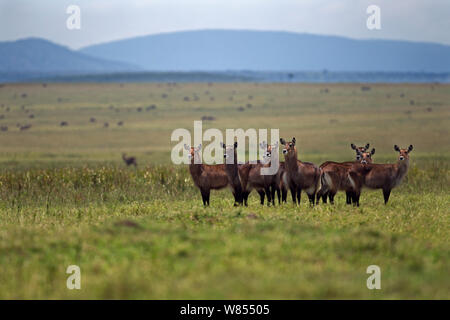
291	161
402	167
195	167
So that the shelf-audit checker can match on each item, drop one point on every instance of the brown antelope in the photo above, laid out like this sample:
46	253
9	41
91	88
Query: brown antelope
206	177
334	175
252	178
129	160
279	180
380	176
232	171
243	178
248	171
300	175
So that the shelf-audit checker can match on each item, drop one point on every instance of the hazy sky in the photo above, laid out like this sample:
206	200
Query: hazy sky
106	20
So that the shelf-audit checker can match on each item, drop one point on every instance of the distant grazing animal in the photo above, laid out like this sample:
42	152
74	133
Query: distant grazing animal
381	176
129	160
64	123
206	177
300	175
333	175
208	118
25	127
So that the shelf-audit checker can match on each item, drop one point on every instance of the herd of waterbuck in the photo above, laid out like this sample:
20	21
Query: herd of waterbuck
318	182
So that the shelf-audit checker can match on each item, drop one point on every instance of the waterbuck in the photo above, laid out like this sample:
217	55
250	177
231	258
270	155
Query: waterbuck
206	177
129	160
334	175
243	178
251	178
300	175
232	171
279	180
381	176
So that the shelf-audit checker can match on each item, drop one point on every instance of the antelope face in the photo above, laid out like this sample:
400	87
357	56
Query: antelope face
267	155
360	150
288	147
229	152
403	153
193	151
364	157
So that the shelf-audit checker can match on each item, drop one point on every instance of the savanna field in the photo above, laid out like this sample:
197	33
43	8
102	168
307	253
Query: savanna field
67	197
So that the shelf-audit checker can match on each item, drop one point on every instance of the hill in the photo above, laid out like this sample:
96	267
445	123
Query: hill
38	56
221	50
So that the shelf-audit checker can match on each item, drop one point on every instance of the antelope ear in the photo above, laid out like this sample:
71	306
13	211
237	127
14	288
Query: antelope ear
410	148
293	140
396	148
185	146
275	145
282	141
373	151
199	147
223	145
235	145
263	145
353	146
367	146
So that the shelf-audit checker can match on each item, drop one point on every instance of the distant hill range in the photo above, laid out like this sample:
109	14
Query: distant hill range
225	55
34	55
221	50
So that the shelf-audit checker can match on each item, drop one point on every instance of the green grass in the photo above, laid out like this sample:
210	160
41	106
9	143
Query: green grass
66	198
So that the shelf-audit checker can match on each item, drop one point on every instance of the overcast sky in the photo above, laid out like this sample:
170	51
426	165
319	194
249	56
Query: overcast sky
106	20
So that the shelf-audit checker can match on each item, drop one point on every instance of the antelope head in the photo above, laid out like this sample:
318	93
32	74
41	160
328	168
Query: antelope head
268	149
364	157
403	153
361	150
194	153
289	148
229	152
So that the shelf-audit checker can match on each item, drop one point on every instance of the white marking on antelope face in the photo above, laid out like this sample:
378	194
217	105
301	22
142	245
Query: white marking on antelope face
401	158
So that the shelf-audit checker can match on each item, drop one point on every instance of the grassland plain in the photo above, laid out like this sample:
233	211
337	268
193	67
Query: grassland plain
66	197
